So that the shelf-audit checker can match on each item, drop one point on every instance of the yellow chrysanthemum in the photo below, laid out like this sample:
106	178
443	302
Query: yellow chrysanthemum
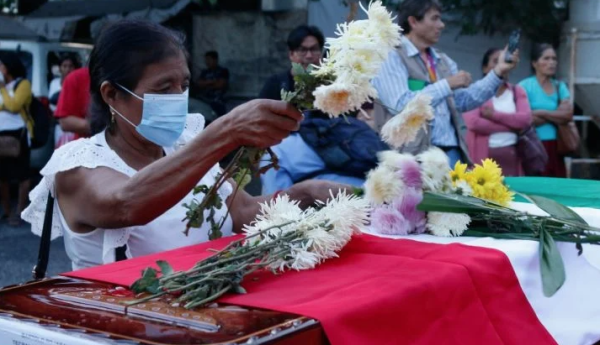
459	173
486	182
503	196
491	166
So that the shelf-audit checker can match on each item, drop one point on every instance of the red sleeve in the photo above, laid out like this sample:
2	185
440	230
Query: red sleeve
74	96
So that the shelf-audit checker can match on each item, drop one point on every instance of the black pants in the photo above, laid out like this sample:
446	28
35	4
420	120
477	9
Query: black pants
16	169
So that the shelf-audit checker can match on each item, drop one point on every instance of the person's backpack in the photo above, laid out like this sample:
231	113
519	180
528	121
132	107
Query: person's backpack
42	118
346	145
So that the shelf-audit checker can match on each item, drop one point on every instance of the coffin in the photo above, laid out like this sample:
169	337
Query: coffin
73	312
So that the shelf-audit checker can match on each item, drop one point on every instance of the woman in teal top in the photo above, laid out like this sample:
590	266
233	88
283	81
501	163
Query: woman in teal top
550	102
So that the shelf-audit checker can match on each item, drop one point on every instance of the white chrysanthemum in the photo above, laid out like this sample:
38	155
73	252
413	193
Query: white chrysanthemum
302	257
382	186
319	235
384	24
393	159
404	127
358	68
347	213
435	168
335	223
333	99
279	215
355	57
340	98
447	224
462	187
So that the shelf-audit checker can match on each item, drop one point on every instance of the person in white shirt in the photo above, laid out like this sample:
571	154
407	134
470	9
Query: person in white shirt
15	98
67	64
127	184
494	128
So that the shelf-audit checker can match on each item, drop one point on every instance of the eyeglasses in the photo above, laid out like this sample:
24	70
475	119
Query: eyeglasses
302	51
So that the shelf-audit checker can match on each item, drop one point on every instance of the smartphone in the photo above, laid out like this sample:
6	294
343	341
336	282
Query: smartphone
513	44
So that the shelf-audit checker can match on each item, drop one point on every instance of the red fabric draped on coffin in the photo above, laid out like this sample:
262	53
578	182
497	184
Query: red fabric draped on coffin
382	291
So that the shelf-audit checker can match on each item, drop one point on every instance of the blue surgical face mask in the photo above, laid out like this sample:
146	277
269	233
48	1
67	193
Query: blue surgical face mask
163	117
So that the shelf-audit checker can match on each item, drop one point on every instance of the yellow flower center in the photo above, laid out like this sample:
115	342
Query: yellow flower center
340	96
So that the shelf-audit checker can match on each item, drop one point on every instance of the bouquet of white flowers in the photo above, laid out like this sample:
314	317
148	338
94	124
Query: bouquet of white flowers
282	237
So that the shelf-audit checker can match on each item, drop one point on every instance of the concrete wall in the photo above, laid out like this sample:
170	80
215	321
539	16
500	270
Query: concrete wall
252	45
467	52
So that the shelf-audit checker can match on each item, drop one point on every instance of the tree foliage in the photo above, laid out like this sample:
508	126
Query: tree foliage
540	20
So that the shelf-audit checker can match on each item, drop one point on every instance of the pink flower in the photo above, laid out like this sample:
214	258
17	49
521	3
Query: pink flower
388	221
407	206
421	225
410	173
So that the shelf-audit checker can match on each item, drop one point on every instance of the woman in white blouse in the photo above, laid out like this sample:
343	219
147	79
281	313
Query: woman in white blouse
127	184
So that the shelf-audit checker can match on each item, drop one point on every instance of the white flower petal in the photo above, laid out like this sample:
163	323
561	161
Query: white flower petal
404	127
447	224
435	168
382	185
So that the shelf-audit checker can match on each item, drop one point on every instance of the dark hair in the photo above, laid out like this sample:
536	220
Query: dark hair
487	56
72	57
14	65
539	49
417	9
121	53
212	54
297	36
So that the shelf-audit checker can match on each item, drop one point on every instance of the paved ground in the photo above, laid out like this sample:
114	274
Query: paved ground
18	253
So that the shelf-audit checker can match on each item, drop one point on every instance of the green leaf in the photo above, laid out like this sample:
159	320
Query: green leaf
288	96
555	209
297	69
147	280
486	232
453	203
551	264
154	288
239	289
357	191
165	268
243	177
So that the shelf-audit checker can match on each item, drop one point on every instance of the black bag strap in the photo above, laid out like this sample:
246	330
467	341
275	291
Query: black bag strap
39	270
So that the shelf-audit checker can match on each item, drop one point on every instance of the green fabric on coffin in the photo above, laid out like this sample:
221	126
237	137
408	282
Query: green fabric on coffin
569	192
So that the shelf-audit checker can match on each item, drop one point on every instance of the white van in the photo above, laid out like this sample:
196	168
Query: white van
41	61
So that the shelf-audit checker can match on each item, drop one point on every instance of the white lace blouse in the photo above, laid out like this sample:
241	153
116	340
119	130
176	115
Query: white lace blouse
98	247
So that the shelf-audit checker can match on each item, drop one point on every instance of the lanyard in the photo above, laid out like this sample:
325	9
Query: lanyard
430	63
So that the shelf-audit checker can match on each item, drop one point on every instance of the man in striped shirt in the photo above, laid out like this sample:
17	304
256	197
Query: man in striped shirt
417	67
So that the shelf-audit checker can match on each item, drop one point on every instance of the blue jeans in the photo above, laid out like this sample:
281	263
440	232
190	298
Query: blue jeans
454	156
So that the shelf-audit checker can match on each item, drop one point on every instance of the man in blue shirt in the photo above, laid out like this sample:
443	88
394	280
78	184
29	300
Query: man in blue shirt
417	67
297	160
